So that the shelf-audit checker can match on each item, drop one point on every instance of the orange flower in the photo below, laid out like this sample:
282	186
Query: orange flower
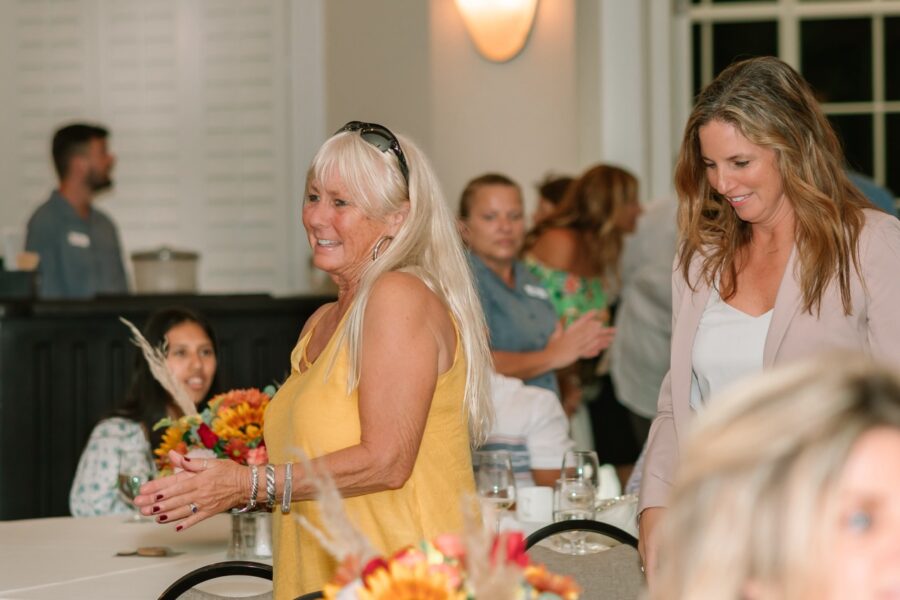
544	581
242	422
237	450
403	582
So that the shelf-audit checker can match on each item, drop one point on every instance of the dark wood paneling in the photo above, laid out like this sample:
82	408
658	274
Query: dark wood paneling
65	365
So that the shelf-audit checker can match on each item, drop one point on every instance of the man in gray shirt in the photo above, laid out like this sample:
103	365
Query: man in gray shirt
78	244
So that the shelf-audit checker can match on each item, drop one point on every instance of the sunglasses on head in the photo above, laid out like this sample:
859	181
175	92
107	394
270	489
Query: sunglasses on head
380	137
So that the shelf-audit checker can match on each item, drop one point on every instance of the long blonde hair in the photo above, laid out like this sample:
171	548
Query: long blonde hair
426	245
771	105
592	206
755	490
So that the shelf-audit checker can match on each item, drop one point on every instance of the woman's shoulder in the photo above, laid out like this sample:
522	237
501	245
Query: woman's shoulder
118	429
556	247
400	289
879	229
879	243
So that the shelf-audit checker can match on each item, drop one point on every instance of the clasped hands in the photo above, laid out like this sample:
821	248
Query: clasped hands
204	487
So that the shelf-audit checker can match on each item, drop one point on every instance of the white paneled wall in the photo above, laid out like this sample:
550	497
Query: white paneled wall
197	97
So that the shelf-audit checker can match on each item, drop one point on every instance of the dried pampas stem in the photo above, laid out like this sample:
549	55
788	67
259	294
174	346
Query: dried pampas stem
156	359
342	538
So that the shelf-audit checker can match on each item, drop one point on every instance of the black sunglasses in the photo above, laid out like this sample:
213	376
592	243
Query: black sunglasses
380	137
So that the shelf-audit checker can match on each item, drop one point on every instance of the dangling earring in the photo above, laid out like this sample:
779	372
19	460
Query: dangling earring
376	251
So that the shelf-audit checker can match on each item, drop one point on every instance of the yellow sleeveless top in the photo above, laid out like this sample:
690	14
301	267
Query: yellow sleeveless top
315	413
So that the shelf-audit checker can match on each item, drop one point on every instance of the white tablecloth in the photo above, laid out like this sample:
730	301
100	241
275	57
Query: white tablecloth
75	558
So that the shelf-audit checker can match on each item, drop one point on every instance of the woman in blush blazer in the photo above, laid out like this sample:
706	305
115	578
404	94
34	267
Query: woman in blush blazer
781	257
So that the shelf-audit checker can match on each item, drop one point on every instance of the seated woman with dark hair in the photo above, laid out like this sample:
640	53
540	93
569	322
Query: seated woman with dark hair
123	441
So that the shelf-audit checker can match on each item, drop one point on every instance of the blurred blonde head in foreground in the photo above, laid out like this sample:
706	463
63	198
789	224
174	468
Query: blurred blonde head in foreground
790	489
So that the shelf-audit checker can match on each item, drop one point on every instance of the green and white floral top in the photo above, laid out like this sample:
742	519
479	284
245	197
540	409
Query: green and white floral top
116	446
571	295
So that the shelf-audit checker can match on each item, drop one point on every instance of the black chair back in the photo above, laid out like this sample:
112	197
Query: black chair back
610	531
221	569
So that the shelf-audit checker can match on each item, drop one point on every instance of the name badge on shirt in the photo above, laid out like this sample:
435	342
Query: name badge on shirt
536	291
79	240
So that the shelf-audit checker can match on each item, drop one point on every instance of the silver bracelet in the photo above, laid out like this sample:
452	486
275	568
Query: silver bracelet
254	489
288	484
270	486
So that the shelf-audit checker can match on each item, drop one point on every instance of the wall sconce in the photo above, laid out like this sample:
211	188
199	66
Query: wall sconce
499	28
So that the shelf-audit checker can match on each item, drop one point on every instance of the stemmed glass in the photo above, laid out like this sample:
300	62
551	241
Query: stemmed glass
135	469
582	464
573	498
495	481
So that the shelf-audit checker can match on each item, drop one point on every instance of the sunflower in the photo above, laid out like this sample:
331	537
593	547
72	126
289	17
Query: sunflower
414	582
239	422
172	439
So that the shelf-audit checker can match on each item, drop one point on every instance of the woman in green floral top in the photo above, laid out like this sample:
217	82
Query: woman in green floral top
575	253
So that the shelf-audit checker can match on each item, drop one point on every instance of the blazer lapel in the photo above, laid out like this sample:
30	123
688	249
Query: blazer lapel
692	306
788	303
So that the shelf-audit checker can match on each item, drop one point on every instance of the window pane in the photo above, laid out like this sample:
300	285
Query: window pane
733	41
893	152
855	132
892	58
695	58
836	58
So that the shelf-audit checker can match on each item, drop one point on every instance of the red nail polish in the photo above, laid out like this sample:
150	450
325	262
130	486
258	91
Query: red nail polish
158	497
155	509
187	459
179	528
162	518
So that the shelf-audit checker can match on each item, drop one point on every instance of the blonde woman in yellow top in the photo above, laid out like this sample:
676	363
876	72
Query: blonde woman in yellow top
389	385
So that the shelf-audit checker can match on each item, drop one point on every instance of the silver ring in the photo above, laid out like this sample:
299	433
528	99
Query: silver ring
194	508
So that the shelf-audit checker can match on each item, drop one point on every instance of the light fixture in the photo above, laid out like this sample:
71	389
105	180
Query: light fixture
499	28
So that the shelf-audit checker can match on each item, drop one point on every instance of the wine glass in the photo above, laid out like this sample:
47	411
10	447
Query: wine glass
135	469
582	464
573	498
495	481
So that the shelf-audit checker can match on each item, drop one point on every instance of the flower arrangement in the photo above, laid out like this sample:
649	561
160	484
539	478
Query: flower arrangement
231	426
441	569
473	565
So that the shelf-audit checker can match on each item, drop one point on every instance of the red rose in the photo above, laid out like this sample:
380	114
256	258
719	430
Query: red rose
514	548
372	566
207	436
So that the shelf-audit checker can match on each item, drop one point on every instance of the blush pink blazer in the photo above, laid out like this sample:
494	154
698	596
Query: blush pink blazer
873	327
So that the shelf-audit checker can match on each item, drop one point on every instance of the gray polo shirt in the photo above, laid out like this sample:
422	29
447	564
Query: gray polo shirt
80	258
520	318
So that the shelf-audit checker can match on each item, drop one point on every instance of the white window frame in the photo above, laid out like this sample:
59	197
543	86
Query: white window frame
788	14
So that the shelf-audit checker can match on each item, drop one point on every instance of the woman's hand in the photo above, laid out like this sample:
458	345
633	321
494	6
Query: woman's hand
648	540
585	337
212	485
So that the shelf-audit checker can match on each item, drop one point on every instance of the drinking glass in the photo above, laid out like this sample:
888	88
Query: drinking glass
573	498
582	464
495	481
135	469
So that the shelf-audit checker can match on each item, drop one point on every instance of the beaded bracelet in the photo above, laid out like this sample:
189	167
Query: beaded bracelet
270	486
254	489
288	484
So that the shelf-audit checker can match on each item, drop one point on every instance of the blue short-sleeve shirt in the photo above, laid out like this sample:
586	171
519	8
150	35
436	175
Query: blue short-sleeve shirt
79	257
519	318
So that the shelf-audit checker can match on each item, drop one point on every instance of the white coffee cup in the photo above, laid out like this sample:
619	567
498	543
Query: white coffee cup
535	504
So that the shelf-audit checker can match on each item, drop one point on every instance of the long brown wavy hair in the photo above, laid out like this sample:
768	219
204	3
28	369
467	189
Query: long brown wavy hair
591	207
771	105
